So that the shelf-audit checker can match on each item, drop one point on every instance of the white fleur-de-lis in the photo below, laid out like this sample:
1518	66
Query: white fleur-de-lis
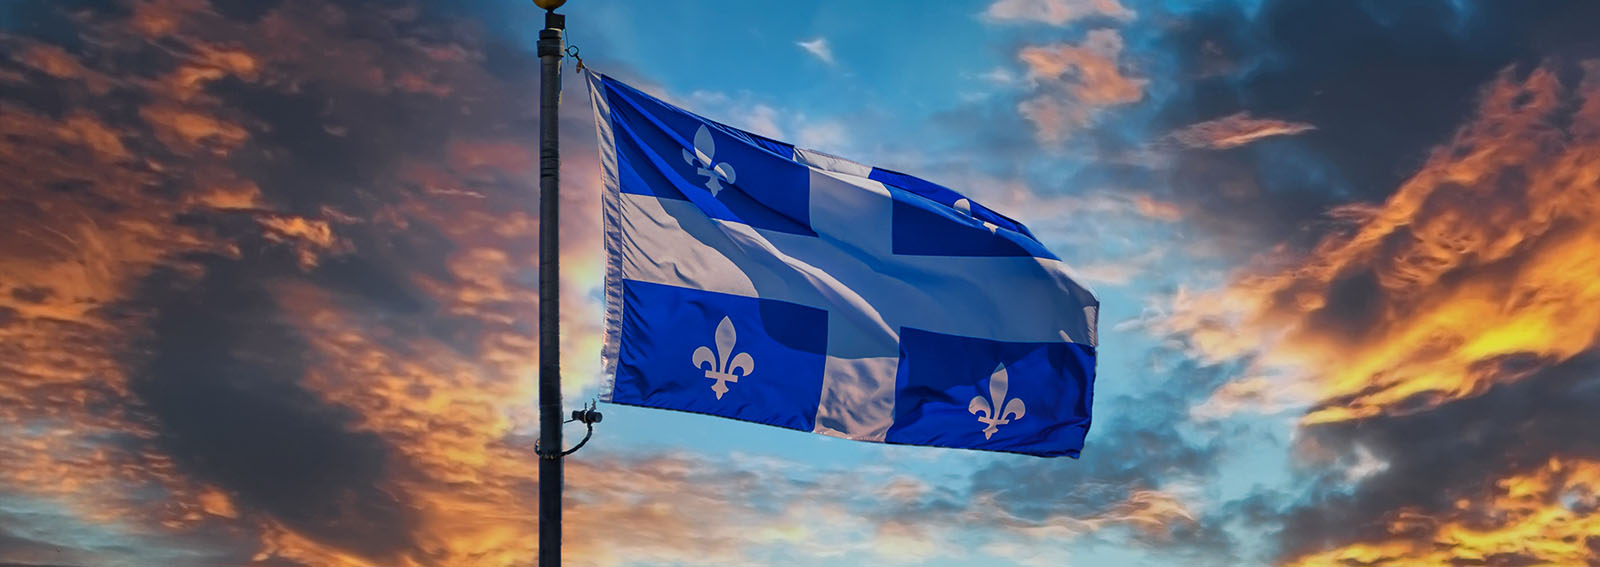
705	149
723	365
965	206
991	414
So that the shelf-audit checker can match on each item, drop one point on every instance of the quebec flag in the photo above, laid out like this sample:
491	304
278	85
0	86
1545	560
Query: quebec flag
750	279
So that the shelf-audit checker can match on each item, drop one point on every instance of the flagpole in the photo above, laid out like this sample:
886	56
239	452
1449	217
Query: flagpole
550	469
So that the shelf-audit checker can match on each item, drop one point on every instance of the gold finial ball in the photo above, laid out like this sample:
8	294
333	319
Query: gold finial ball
549	4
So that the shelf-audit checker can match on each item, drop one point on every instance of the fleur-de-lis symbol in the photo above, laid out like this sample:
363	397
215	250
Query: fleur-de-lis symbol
986	411
705	148
723	365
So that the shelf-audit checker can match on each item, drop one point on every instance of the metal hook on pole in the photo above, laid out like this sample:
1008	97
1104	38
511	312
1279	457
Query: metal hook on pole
588	416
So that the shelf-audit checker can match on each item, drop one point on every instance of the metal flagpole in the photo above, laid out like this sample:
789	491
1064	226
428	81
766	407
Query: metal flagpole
550	470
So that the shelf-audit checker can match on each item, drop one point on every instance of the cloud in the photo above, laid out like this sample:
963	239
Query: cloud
1460	281
1092	67
1434	345
1157	209
221	383
1255	394
1395	292
1235	130
1493	480
999	76
1056	12
252	314
1135	486
828	136
1280	60
1075	82
1120	271
743	111
819	48
1544	516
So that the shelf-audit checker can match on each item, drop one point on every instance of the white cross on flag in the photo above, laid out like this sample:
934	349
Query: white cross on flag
753	280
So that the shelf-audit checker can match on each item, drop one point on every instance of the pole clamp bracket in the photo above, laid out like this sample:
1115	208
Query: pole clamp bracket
589	416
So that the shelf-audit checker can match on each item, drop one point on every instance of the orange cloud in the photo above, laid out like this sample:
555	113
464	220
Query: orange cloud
1546	516
311	238
1155	209
1473	273
56	62
1078	81
1151	512
1235	130
1057	12
102	200
1092	66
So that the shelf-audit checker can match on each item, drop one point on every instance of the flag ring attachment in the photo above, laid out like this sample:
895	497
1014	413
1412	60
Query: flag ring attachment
572	51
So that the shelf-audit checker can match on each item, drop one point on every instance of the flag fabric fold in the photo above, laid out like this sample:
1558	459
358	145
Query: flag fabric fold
750	279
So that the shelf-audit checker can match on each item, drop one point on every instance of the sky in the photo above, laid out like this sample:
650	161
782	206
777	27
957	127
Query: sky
268	281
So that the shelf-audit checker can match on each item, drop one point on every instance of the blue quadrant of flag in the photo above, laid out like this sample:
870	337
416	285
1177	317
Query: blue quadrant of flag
664	327
750	279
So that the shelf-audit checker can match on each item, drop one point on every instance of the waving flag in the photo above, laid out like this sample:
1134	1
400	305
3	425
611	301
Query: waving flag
753	280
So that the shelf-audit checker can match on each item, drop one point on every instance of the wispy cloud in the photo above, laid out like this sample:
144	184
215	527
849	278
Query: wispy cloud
1056	12
1235	130
1120	271
740	112
818	47
999	76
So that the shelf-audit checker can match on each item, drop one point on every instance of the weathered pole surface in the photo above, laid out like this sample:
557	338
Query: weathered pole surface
550	469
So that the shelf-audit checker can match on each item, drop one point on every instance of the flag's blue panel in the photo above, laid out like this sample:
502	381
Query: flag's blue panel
925	228
954	391
944	196
729	173
746	358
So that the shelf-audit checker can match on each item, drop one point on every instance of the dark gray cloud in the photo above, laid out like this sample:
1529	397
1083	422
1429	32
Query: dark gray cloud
222	384
193	161
1431	460
1382	81
16	546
